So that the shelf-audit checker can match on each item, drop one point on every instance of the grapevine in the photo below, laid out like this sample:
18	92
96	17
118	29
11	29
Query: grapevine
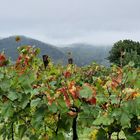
58	102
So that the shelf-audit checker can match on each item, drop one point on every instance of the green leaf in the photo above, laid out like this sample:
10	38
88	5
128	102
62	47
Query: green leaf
101	135
116	113
65	123
1	75
77	103
62	106
114	99
137	83
131	63
101	98
7	109
33	137
86	92
129	137
21	130
37	120
34	92
53	83
137	135
104	120
59	136
12	95
136	105
5	84
53	108
125	120
24	101
35	102
26	81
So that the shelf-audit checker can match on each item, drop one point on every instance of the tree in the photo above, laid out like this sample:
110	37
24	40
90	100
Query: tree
125	51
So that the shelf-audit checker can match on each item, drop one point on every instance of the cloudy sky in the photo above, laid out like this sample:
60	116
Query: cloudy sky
68	21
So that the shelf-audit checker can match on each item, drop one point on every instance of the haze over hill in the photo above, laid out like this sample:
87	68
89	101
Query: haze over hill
82	53
9	45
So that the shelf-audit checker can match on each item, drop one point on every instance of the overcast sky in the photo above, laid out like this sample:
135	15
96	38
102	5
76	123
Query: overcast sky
68	21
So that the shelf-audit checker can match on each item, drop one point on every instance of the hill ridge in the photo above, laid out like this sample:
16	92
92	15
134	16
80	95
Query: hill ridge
10	45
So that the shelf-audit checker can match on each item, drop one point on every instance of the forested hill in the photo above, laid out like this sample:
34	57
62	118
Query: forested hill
9	45
82	54
85	53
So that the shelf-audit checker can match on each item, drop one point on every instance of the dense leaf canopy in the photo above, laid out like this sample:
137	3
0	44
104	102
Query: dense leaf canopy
125	51
60	102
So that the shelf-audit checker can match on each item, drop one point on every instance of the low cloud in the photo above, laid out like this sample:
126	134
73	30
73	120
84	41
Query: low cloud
62	22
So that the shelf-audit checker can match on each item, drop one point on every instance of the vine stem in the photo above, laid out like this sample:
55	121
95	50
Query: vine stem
118	136
74	128
109	136
57	124
12	129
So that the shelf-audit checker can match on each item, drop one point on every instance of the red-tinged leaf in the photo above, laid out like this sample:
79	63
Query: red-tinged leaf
74	94
67	74
72	114
67	99
74	90
2	59
117	80
92	101
50	99
66	96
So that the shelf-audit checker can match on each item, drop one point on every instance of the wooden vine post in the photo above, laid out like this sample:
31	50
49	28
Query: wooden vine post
70	59
45	60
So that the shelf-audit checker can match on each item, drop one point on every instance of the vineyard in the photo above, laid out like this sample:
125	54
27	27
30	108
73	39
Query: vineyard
58	102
